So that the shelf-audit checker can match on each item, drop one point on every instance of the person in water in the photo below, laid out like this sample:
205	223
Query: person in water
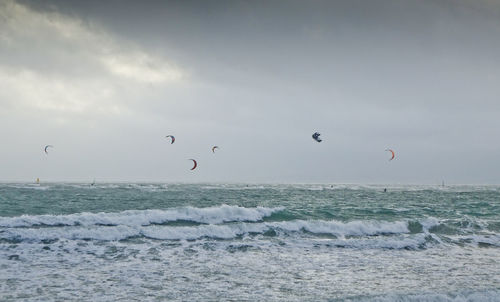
385	190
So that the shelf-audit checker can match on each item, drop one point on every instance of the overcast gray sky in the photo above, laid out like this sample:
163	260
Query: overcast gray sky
106	81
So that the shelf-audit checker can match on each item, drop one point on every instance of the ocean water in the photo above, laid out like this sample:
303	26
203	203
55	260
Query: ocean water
216	242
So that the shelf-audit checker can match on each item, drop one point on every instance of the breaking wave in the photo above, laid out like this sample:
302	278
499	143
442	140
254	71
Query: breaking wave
232	222
211	215
224	231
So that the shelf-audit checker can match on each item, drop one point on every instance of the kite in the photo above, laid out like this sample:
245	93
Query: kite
172	137
315	136
392	152
46	148
195	164
213	148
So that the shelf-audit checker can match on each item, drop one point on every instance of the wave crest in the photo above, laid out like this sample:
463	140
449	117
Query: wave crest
209	215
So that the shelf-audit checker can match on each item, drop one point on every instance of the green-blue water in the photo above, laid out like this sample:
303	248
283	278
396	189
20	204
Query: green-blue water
222	242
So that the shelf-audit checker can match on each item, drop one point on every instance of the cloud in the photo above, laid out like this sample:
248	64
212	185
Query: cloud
60	64
41	92
142	68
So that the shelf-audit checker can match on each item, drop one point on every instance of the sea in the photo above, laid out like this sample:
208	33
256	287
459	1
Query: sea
248	242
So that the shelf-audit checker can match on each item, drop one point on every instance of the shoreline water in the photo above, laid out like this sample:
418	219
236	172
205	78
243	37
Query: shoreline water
226	242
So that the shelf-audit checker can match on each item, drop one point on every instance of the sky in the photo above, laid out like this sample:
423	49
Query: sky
105	81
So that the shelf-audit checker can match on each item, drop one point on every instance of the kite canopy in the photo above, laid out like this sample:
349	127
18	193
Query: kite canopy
315	136
46	148
195	164
172	137
213	148
392	154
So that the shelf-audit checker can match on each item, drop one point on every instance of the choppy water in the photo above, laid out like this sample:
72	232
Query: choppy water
155	242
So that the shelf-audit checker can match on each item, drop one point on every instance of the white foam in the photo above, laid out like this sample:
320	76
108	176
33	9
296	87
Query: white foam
114	233
29	186
225	222
72	233
341	229
479	296
220	214
429	223
477	239
236	187
211	231
400	242
224	231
